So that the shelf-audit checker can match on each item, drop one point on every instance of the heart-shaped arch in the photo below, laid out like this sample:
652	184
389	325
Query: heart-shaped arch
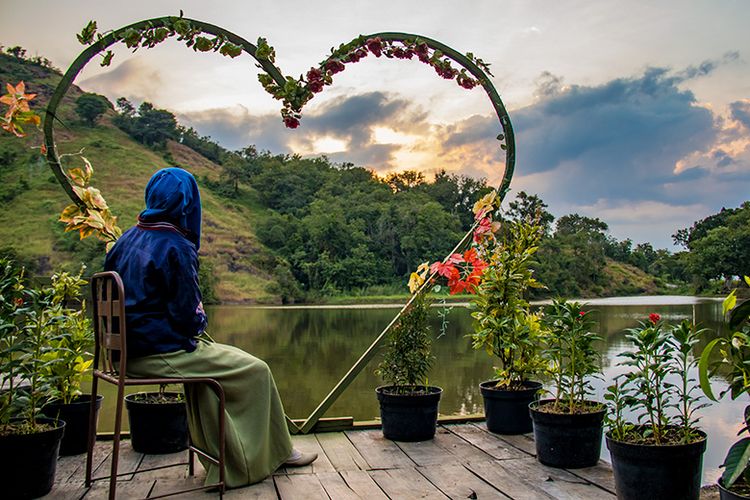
231	44
104	42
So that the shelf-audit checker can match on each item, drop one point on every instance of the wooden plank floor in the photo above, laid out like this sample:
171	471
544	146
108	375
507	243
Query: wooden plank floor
463	461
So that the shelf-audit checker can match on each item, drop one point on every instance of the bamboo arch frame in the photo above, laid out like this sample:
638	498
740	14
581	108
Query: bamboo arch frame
116	36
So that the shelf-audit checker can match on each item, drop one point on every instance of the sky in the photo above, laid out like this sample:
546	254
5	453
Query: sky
637	112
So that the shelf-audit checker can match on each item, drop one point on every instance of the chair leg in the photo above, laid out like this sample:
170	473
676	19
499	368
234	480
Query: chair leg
92	431
116	443
191	461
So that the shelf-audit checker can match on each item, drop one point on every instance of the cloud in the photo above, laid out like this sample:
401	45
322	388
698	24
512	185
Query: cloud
741	112
708	66
623	149
351	120
134	79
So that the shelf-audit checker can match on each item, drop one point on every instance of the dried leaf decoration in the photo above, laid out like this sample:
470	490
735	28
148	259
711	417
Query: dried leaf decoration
18	112
96	217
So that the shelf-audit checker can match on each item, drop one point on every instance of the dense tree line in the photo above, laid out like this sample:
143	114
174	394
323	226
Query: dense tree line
341	227
575	251
717	248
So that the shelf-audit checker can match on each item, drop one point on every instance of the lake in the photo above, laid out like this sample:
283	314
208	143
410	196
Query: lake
310	348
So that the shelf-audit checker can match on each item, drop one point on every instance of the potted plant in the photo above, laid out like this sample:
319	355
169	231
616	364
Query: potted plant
67	362
408	405
29	443
568	427
734	363
505	327
660	453
158	421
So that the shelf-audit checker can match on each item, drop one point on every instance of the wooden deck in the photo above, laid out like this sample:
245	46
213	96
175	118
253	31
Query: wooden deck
463	461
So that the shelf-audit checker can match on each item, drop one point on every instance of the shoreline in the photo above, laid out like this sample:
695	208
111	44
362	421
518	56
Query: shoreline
463	301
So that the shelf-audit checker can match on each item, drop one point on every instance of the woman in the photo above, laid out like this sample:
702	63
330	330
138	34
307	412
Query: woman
157	260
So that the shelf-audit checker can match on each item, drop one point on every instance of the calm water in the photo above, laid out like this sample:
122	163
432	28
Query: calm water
310	349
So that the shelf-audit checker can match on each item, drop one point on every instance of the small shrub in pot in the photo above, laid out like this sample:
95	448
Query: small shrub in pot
568	427
659	454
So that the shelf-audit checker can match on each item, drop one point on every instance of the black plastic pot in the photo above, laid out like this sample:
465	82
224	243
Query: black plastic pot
28	461
568	441
157	428
645	472
725	494
76	417
411	416
507	412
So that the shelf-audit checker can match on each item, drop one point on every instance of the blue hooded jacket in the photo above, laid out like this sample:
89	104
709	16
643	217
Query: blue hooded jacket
157	260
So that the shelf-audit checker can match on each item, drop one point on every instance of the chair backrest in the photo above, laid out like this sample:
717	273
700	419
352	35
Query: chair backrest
109	321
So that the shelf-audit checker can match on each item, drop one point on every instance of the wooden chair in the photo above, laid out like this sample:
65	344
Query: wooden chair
110	333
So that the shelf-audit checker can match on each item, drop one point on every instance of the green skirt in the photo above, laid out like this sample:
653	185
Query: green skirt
257	436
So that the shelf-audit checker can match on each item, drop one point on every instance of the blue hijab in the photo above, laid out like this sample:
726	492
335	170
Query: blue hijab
172	196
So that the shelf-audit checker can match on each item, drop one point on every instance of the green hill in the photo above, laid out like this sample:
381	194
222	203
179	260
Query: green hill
32	199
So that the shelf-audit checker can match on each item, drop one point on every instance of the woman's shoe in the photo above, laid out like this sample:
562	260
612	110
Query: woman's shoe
300	459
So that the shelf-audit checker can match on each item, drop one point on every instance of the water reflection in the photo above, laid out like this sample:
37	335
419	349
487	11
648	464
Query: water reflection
310	349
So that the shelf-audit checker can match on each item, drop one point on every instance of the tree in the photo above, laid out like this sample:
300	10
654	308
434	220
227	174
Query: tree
18	52
91	106
457	194
719	246
700	228
403	181
592	228
125	107
530	208
154	126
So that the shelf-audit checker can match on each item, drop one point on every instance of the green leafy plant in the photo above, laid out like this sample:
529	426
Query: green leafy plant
664	410
71	338
734	361
12	341
42	345
504	325
572	359
407	358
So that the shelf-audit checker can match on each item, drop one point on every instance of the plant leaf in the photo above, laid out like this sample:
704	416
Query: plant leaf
739	314
703	366
729	303
735	462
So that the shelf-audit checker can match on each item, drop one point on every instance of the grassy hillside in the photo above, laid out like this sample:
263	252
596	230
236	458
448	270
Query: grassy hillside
32	199
624	279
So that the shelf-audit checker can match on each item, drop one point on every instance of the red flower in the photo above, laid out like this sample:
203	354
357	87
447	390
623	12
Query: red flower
314	75
291	122
335	66
422	51
455	285
18	301
654	318
315	86
484	227
375	45
456	258
465	82
399	53
446	269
